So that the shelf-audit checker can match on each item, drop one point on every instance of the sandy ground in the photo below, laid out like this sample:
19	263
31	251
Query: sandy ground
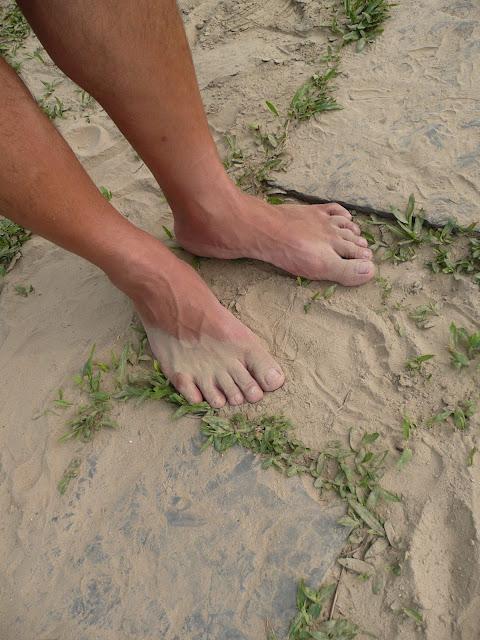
153	540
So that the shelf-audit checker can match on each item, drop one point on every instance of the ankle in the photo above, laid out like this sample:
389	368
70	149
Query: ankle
142	268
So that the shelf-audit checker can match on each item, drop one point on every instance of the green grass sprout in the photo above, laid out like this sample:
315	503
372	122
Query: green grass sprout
415	364
70	472
473	451
108	194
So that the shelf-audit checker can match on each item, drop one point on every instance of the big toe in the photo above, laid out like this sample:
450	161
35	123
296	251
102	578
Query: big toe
266	372
350	273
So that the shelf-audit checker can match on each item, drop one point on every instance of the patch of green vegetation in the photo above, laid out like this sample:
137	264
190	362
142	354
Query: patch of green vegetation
12	237
93	416
408	230
70	472
461	415
421	315
469	343
252	172
353	473
14	30
306	307
315	95
52	110
445	262
387	289
365	18
155	386
56	110
361	22
415	364
305	625
86	100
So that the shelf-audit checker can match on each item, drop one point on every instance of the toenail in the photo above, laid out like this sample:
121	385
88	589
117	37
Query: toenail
366	254
237	399
363	242
272	376
364	268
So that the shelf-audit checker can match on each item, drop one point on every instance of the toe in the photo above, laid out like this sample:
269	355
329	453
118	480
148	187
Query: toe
212	394
185	385
361	241
351	250
230	389
266	371
349	272
247	384
347	234
342	223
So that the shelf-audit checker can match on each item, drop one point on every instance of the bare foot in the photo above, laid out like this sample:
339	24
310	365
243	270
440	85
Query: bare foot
318	242
201	347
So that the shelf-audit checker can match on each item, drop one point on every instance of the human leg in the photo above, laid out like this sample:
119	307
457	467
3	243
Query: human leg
133	57
200	345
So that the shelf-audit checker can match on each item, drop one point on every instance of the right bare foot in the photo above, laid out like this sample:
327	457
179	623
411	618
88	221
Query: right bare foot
201	347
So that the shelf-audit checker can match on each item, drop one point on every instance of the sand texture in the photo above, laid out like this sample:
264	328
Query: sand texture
154	539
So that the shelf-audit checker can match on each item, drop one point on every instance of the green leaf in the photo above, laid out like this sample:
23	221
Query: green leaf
108	194
99	395
271	107
68	435
360	45
388	495
87	367
330	291
425	357
411	613
440	417
368	438
470	457
346	521
366	516
21	290
206	444
404	458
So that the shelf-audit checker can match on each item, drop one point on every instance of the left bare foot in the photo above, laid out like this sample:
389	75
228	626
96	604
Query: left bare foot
318	242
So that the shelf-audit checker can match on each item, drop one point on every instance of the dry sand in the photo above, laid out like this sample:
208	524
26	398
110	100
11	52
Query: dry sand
88	564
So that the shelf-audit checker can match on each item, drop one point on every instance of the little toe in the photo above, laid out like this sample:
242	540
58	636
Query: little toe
185	385
212	394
